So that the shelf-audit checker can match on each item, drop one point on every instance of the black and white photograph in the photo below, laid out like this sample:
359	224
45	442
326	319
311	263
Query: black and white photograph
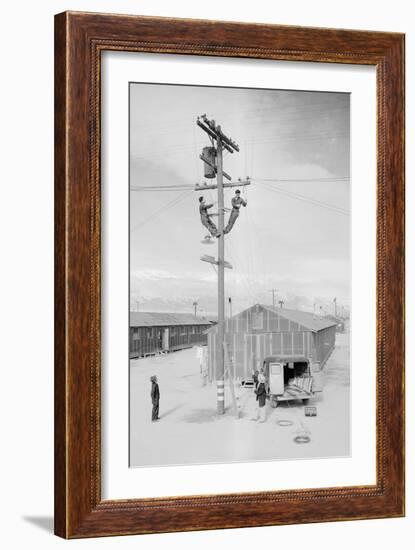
240	269
208	212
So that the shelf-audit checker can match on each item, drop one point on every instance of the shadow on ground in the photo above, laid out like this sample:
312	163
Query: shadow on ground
43	522
163	414
202	416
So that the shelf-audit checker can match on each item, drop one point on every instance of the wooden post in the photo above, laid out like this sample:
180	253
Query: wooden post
230	367
222	142
220	366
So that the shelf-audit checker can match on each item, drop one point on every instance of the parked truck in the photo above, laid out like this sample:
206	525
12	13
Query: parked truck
291	377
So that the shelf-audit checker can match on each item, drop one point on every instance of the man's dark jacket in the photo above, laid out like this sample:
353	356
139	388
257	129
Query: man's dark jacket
155	392
261	394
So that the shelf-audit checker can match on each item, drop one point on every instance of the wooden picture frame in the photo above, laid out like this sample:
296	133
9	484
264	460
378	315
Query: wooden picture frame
79	40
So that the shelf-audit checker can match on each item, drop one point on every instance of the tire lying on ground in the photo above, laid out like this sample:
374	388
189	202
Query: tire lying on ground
285	423
302	438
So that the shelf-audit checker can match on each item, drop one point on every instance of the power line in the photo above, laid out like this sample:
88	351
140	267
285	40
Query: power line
163	208
252	116
244	278
309	200
178	187
264	182
184	149
300	180
185	186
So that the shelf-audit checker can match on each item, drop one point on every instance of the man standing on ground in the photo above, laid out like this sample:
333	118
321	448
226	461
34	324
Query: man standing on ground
261	395
155	398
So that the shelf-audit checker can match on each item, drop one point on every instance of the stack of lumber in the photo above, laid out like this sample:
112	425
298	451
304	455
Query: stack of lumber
300	383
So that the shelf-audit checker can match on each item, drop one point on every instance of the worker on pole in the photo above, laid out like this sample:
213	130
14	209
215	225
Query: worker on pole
237	202
206	219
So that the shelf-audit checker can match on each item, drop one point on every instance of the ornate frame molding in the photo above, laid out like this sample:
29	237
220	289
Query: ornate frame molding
79	40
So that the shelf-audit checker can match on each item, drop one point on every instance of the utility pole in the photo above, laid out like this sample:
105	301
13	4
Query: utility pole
281	302
220	358
273	290
215	164
195	304
230	307
335	307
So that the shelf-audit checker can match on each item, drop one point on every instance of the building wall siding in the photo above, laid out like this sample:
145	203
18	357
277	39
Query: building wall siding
249	350
248	346
324	342
149	340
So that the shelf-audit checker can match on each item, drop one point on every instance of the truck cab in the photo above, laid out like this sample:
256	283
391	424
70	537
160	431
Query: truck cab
290	377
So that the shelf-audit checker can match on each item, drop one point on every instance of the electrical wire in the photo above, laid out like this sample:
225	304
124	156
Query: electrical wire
174	125
172	128
178	187
237	265
305	199
183	149
301	180
162	209
184	186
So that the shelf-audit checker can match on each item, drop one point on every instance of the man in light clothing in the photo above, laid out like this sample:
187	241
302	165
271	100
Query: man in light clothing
237	202
206	219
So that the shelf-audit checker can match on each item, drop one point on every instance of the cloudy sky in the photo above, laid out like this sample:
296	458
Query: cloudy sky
294	234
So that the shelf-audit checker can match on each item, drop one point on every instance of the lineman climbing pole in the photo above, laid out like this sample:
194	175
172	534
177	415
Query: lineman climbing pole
215	161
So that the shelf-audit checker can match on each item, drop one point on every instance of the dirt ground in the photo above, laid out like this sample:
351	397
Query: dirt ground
190	432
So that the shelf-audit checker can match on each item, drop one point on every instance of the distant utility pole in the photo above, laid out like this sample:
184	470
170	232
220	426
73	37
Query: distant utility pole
281	302
274	291
335	306
195	304
219	142
230	307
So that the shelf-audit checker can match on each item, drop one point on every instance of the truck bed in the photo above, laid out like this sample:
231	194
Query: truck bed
292	392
